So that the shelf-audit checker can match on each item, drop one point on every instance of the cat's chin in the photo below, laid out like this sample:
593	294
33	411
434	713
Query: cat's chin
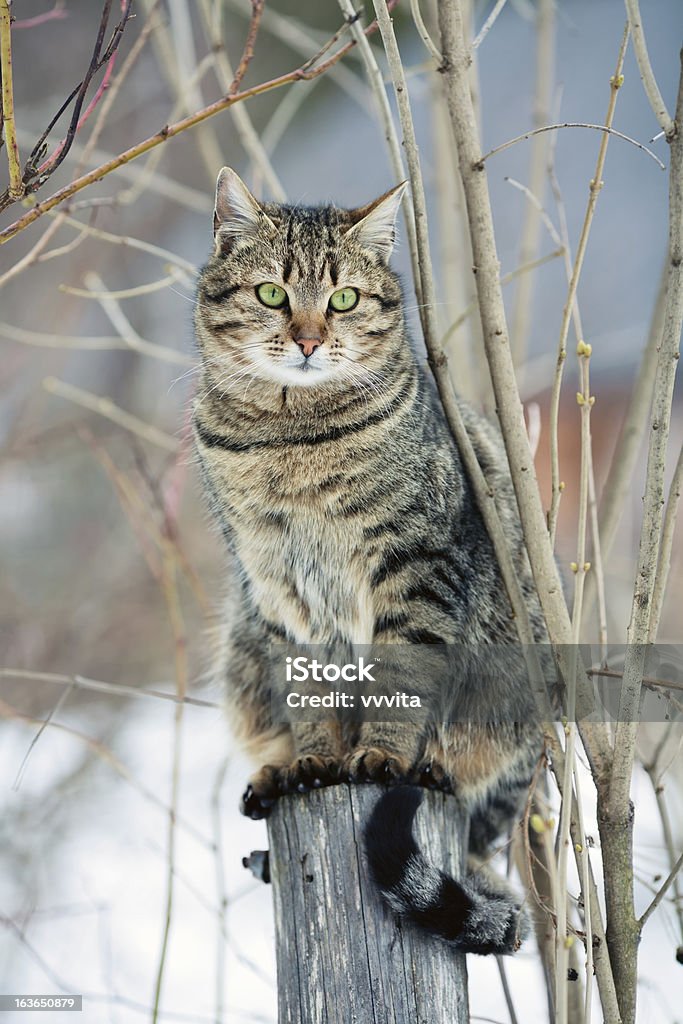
304	374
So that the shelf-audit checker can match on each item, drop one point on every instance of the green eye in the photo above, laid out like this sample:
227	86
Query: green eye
344	299
271	295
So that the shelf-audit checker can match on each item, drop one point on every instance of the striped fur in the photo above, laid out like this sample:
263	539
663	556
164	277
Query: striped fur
343	500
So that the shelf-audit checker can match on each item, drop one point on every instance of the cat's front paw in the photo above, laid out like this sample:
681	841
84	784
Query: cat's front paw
310	771
376	764
263	789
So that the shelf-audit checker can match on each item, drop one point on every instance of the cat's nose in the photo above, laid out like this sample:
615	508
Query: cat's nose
308	345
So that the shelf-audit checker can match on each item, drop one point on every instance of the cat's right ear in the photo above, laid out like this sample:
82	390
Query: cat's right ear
236	213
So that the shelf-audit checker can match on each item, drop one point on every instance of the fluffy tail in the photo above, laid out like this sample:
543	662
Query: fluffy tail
479	914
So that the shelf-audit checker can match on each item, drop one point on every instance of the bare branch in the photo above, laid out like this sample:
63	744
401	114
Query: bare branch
303	73
530	234
646	73
664	561
105	407
16	187
488	24
662	892
572	124
99	686
625	454
386	118
496	341
484	495
651	529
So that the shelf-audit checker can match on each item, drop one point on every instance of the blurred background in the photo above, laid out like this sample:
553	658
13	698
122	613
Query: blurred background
112	575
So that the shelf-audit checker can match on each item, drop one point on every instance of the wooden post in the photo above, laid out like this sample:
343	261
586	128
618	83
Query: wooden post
342	957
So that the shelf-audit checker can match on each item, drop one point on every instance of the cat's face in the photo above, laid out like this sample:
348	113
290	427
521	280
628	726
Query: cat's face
295	296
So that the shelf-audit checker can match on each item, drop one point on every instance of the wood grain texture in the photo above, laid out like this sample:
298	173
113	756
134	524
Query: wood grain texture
341	955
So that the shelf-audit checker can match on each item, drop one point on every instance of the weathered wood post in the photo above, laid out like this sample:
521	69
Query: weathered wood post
342	957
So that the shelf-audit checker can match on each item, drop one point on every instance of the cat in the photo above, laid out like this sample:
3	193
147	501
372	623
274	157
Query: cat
340	492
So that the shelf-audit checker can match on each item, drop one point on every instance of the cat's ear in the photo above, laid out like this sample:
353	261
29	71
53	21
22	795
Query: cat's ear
236	212
375	224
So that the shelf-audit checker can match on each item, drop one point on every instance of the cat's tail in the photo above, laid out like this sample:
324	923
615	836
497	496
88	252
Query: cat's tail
479	914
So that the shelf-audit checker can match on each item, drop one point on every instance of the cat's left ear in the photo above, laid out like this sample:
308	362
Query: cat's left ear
236	212
375	224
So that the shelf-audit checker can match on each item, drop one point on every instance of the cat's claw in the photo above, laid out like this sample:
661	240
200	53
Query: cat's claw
269	784
374	764
432	776
261	793
311	772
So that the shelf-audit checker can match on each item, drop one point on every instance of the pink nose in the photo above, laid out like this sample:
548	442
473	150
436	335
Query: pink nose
308	345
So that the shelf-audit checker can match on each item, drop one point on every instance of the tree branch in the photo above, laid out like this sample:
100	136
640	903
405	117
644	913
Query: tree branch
642	920
7	122
496	341
646	73
303	73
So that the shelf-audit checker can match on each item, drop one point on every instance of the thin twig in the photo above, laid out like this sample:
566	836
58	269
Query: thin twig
505	279
16	186
124	293
300	74
666	548
105	407
45	340
300	38
496	341
488	24
646	73
10	712
585	400
32	255
572	124
174	609
245	129
530	233
506	990
99	686
595	187
616	489
185	195
386	118
113	87
122	324
56	14
248	51
651	529
37	175
655	776
662	893
484	495
423	32
63	697
132	243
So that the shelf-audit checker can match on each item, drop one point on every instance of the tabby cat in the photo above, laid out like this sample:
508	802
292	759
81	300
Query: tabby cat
342	496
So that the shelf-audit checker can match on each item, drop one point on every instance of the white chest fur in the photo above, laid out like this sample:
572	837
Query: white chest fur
309	577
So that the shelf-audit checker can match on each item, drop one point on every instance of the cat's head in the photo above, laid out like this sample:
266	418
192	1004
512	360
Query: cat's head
298	296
